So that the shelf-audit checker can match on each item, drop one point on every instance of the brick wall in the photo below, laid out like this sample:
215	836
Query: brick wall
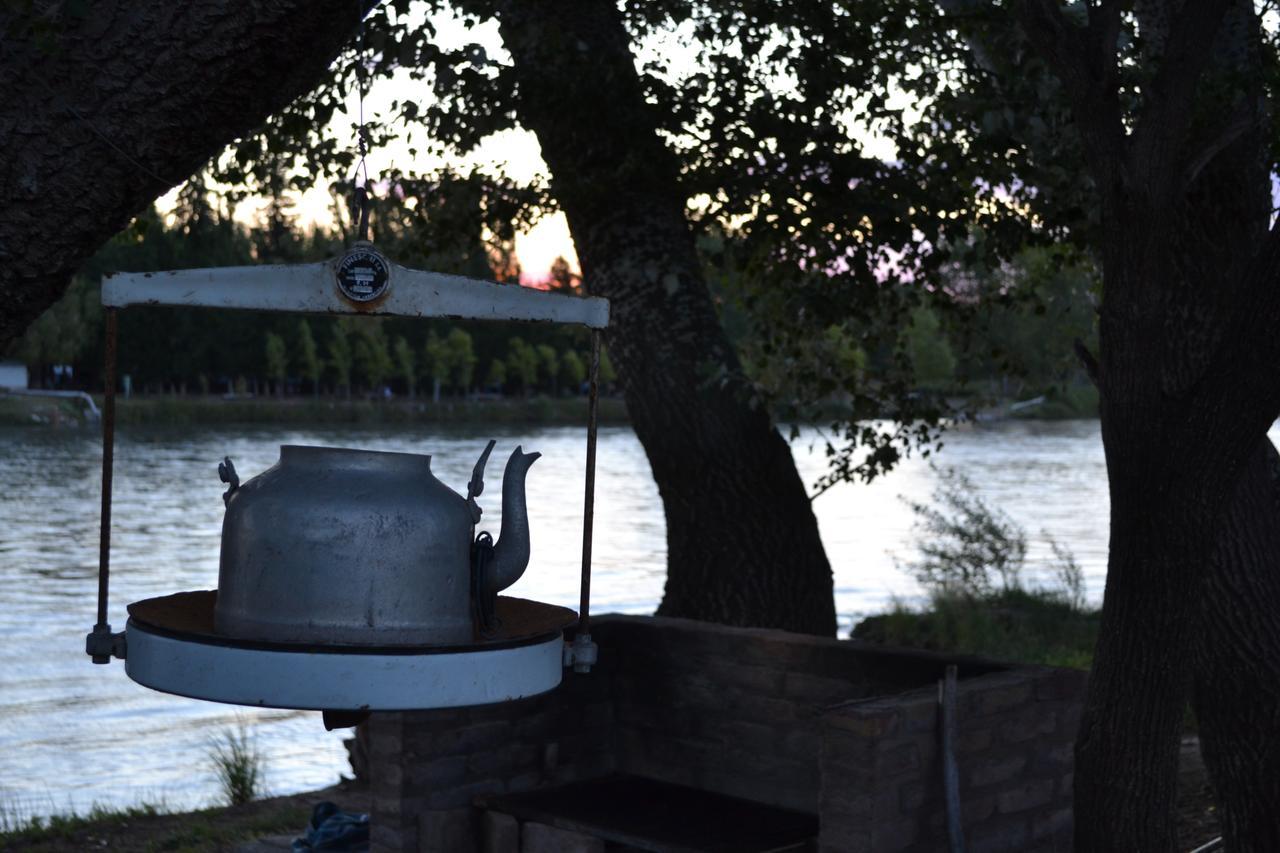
739	711
882	766
743	712
427	766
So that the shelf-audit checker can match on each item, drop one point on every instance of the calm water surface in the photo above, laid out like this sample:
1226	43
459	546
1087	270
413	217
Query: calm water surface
73	734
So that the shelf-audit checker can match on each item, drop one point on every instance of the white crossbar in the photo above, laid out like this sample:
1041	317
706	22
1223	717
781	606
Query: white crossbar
312	288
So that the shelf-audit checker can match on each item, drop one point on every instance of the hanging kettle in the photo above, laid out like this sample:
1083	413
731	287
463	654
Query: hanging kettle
359	547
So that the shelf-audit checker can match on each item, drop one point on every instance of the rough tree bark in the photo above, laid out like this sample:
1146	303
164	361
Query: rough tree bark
1236	647
104	111
1186	397
742	541
1236	692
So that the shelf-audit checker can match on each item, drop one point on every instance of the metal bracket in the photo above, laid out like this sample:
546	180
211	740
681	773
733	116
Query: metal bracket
581	654
102	645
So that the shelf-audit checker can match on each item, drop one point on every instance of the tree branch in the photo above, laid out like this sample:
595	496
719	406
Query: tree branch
102	112
1084	59
1160	130
1240	122
1244	376
1091	366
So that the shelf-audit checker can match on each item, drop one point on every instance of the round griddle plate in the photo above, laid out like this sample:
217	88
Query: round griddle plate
189	615
172	647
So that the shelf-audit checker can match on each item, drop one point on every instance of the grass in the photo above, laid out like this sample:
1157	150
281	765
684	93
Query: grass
147	829
238	764
152	828
15	825
1025	626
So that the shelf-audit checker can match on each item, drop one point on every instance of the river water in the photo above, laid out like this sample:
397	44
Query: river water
73	734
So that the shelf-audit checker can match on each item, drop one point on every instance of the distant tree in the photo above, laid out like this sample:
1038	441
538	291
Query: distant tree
340	358
550	366
277	236
60	334
462	358
929	350
308	357
575	372
1032	342
277	361
435	363
496	376
504	264
522	362
372	360
607	374
406	365
563	279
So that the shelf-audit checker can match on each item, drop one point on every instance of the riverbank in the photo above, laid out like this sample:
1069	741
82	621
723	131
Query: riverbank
172	410
214	830
236	828
16	410
1071	403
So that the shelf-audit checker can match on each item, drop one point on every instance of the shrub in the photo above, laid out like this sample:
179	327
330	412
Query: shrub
971	561
967	547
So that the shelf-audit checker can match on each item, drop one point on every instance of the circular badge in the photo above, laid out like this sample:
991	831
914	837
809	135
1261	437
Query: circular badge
363	275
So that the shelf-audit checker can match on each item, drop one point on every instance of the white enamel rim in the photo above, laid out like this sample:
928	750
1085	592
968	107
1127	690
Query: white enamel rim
340	681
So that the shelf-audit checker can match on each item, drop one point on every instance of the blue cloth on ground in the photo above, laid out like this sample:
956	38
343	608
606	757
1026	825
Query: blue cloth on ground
334	830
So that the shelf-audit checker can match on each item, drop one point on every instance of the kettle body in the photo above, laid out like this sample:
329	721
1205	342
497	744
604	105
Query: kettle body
348	547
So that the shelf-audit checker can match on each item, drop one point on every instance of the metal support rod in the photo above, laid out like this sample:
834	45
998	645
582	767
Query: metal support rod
108	464
588	511
950	770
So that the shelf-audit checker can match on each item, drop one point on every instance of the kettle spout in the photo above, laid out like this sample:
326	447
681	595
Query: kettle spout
511	553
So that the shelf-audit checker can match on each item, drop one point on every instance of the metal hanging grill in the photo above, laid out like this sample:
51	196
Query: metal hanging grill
172	643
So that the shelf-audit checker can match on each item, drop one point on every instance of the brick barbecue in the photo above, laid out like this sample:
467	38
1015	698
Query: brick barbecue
839	737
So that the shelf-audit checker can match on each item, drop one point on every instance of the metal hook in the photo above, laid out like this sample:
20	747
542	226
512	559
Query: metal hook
362	205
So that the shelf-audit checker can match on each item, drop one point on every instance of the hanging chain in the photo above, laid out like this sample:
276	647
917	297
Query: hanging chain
360	177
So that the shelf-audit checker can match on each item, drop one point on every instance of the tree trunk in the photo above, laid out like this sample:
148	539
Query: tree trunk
1236	694
1127	747
103	112
742	541
1184	191
1225	598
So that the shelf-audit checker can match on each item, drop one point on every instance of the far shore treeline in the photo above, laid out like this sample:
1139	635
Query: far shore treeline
201	351
1025	316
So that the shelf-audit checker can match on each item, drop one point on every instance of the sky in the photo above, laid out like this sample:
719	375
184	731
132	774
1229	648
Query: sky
515	152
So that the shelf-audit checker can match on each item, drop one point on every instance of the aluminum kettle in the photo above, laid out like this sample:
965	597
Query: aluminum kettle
360	547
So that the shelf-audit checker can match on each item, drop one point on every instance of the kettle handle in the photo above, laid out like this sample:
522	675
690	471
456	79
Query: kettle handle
227	474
